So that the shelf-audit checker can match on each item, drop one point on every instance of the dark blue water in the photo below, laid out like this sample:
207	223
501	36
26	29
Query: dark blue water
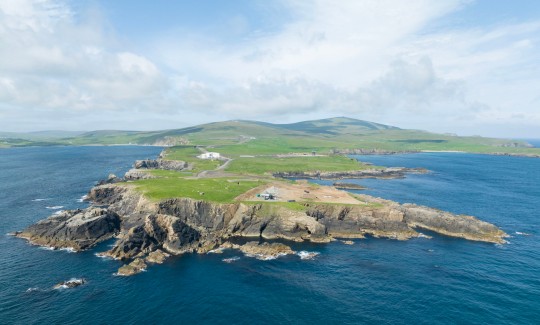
439	280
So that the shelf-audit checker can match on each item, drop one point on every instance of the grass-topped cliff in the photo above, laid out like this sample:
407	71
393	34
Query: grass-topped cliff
322	136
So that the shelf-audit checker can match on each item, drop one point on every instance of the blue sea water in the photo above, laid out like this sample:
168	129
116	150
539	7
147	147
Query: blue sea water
534	142
438	280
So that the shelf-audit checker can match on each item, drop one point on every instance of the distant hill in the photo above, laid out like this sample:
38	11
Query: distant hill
324	135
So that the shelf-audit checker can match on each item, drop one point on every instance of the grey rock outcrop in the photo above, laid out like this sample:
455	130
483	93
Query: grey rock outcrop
111	179
161	164
264	251
75	229
136	174
392	172
137	266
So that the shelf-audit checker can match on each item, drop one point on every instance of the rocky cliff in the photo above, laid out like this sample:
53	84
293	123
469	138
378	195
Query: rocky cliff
147	231
141	167
75	229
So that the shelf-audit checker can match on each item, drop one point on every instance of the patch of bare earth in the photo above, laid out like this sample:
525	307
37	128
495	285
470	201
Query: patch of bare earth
299	191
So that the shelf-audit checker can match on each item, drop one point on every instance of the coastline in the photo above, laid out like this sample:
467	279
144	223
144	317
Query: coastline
147	230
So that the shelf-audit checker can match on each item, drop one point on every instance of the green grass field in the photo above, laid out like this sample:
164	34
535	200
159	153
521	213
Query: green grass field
263	165
219	190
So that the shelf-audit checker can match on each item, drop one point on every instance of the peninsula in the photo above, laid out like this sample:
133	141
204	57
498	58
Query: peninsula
182	203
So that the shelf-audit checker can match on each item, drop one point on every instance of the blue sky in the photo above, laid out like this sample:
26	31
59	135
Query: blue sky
459	66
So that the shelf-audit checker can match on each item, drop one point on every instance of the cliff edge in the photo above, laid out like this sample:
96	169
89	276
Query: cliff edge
149	231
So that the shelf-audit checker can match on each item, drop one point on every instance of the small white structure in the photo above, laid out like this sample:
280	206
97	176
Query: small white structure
209	155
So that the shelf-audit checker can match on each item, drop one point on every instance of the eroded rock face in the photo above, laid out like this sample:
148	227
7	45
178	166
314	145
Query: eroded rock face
157	257
137	266
161	164
136	174
76	229
445	223
147	231
111	179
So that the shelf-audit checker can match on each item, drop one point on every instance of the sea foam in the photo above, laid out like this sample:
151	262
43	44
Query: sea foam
305	255
231	259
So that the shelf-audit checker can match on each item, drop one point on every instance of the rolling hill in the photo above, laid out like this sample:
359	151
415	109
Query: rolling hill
337	134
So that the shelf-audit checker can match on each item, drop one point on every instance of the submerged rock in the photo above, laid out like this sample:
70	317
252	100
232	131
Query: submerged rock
265	251
72	283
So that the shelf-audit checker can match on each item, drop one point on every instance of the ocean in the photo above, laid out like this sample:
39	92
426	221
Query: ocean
375	281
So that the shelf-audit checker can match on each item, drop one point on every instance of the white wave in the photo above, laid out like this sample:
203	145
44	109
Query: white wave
522	233
32	289
503	245
82	198
68	249
103	256
215	251
231	259
39	200
305	255
263	257
59	212
55	207
48	248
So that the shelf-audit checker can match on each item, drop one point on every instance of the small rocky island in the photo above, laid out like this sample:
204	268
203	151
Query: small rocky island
148	231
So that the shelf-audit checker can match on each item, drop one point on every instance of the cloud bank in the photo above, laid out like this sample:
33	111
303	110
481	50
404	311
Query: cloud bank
388	61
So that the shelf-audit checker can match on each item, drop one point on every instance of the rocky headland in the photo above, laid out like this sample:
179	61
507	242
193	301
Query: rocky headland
148	232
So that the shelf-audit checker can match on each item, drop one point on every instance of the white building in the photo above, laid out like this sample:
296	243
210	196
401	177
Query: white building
209	155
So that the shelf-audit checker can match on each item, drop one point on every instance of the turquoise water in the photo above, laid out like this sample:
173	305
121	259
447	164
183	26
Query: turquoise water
438	280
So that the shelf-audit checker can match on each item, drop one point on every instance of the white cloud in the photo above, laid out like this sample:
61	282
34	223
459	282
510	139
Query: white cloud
372	59
51	62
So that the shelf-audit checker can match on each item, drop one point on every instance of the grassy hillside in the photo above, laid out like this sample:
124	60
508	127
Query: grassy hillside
239	137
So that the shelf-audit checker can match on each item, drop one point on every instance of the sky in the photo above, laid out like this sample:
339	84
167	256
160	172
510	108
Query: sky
449	66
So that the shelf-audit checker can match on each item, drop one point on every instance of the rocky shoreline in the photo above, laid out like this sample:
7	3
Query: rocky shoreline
148	232
383	173
348	186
